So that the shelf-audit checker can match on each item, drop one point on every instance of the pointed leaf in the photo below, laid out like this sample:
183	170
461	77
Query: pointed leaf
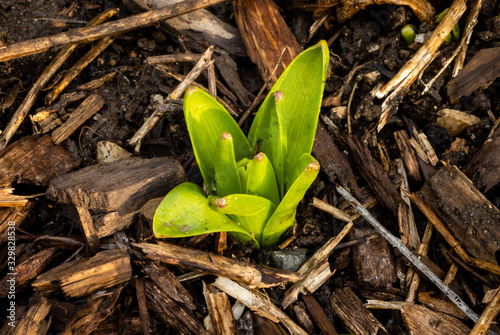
185	212
261	179
297	108
227	180
284	215
242	172
206	119
251	211
267	135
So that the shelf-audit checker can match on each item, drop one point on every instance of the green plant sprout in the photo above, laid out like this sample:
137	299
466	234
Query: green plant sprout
255	183
409	32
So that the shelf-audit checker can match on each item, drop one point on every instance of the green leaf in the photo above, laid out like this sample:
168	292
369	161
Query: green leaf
291	111
206	120
270	138
284	216
227	180
185	212
456	31
261	180
251	211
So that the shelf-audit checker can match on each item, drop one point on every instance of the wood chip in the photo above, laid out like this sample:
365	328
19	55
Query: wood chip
220	311
484	168
82	113
170	284
122	186
471	218
421	320
483	68
34	160
357	318
265	34
86	276
456	121
319	316
373	262
439	305
34	319
168	311
7	199
99	306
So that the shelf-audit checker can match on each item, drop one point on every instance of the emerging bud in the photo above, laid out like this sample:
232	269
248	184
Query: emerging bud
220	203
259	157
278	95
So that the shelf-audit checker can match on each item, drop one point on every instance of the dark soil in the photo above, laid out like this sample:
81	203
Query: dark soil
371	38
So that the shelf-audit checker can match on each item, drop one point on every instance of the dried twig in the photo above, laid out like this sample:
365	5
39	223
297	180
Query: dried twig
175	58
78	67
332	210
461	50
82	113
381	304
414	239
469	26
165	70
312	264
88	34
245	272
212	80
417	263
152	121
54	65
488	316
423	249
257	302
412	69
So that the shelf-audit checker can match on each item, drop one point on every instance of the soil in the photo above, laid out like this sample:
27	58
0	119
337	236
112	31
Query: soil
370	38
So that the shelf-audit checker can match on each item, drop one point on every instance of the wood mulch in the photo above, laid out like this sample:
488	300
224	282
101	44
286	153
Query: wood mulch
400	232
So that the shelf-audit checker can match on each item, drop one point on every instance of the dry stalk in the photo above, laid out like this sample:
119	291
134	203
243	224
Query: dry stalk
416	262
412	69
312	264
423	249
88	34
78	67
44	78
471	23
462	47
257	302
152	121
488	316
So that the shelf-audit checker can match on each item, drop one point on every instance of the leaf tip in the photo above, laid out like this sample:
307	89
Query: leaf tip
220	203
313	166
278	95
259	157
191	89
226	136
